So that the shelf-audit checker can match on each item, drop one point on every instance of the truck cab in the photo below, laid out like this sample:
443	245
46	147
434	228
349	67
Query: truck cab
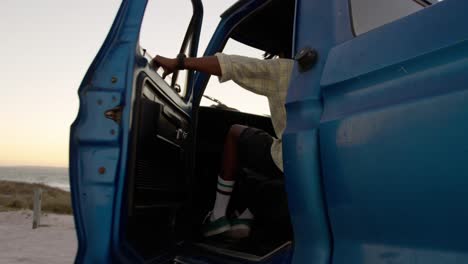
374	150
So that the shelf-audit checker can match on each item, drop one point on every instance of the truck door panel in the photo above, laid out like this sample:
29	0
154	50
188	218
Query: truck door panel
392	140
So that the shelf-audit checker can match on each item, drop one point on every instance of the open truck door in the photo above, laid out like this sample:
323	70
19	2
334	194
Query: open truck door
144	155
130	146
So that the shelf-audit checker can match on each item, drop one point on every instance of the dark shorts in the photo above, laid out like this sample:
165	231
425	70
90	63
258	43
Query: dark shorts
255	153
260	186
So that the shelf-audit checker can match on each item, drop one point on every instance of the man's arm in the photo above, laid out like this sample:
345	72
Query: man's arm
262	77
209	65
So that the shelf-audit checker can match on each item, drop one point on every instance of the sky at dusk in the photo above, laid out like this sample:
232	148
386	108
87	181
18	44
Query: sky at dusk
47	46
46	49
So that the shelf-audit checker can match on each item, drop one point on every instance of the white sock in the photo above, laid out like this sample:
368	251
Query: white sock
223	195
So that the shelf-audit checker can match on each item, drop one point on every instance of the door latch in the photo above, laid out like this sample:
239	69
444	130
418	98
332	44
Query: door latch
114	114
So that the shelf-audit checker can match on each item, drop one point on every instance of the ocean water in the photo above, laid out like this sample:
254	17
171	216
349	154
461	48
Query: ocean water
52	176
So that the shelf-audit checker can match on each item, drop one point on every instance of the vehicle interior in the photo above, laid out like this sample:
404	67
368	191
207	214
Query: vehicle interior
176	160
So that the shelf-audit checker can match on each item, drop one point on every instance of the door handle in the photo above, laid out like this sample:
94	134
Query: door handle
181	134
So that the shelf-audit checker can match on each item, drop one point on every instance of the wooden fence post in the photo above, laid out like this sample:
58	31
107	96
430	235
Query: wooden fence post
37	208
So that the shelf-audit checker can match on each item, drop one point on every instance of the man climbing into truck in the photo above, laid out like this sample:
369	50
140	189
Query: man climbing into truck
245	147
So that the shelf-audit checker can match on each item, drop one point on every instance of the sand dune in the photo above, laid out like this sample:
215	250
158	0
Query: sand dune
53	242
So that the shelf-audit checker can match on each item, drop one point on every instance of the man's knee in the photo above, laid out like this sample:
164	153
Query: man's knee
235	131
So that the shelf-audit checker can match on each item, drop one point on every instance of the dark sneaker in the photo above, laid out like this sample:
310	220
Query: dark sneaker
216	227
240	228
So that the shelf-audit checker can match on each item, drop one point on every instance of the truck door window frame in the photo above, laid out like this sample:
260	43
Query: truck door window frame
189	47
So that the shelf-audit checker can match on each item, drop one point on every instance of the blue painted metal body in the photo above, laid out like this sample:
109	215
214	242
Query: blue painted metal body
100	143
375	150
393	140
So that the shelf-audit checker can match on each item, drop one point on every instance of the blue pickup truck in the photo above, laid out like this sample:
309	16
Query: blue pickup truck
375	149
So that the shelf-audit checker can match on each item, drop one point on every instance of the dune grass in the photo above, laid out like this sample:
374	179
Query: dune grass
19	195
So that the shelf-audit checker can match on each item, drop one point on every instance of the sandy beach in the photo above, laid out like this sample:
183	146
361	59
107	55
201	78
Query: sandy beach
53	242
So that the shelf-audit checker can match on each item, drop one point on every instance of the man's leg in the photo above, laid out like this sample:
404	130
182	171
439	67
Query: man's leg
255	159
226	181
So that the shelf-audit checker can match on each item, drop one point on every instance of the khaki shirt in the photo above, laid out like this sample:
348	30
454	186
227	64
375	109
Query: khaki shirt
265	77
